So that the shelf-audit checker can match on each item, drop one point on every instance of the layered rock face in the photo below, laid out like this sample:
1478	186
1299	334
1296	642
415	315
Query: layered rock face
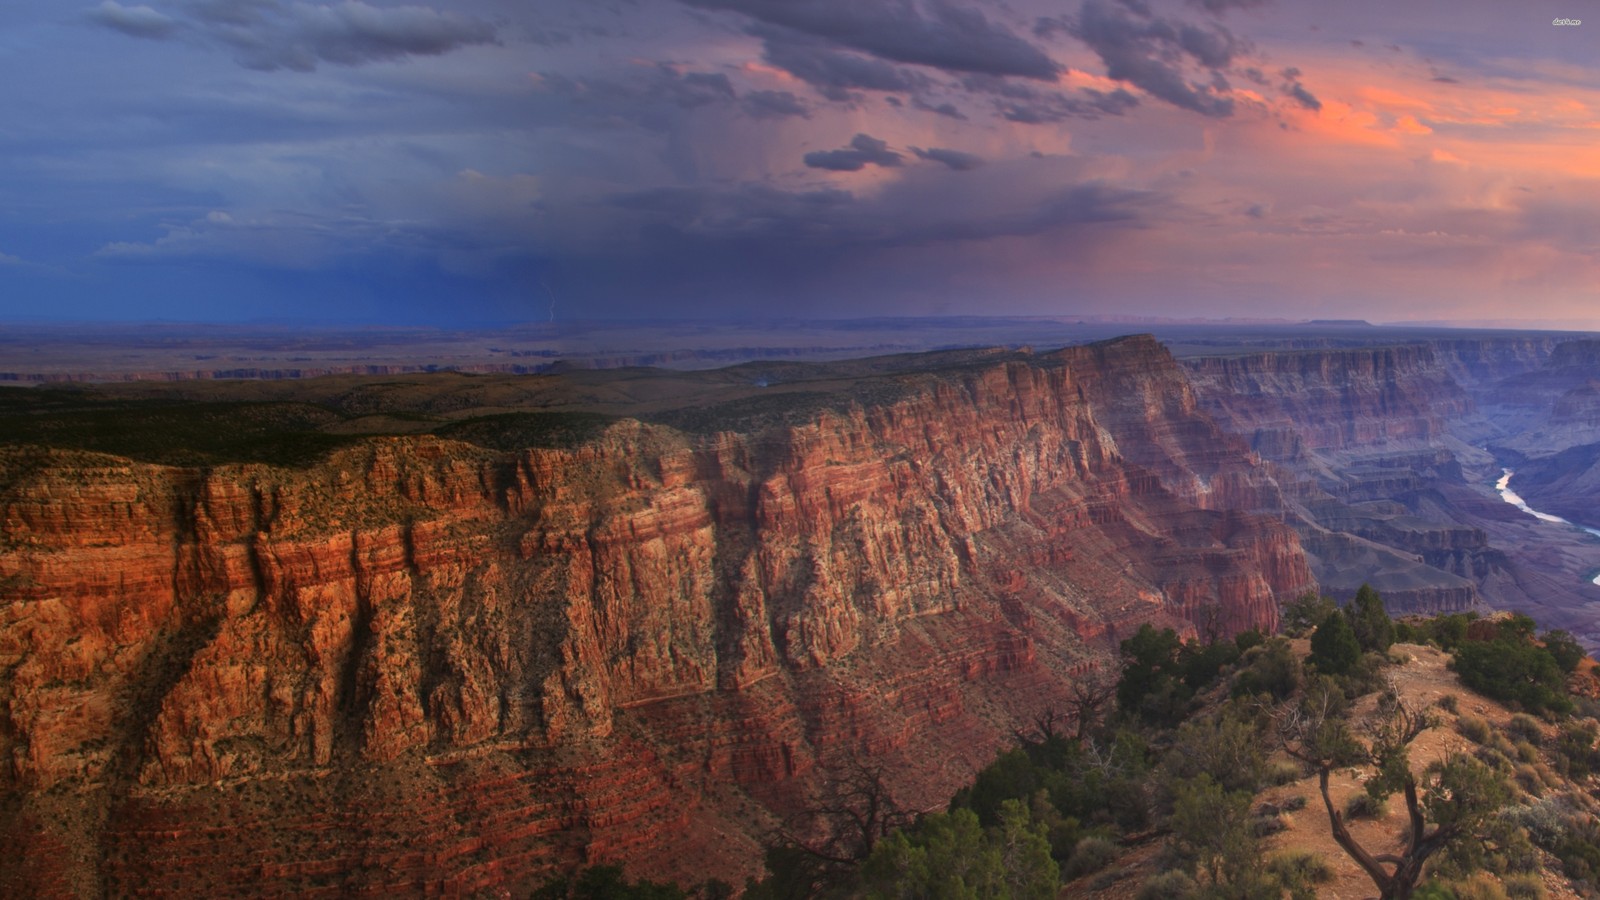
1382	449
1295	403
424	667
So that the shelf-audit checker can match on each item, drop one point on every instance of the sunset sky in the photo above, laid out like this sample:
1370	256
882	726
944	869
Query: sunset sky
483	161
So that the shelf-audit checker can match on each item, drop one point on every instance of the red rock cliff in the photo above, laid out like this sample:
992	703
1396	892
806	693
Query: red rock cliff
423	667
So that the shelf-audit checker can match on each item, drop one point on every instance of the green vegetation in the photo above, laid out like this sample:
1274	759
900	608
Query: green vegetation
518	431
292	434
171	433
1334	649
1369	621
1299	616
1511	666
770	410
1190	743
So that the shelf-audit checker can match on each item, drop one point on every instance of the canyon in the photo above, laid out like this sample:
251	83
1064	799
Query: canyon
507	625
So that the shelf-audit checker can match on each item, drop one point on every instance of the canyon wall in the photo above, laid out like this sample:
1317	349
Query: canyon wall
419	666
1295	403
1390	453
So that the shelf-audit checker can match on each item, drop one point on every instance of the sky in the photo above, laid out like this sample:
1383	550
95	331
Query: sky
487	161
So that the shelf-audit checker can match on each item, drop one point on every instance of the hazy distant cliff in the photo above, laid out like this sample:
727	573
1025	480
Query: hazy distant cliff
421	665
1294	402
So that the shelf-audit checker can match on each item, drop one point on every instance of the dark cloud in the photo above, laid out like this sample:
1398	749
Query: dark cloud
1304	97
935	33
864	150
984	205
1296	90
954	159
134	21
1052	107
1221	6
713	84
1147	51
773	105
947	110
833	72
1031	106
269	35
1212	47
648	93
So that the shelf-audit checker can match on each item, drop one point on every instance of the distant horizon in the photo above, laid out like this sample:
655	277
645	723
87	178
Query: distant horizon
322	325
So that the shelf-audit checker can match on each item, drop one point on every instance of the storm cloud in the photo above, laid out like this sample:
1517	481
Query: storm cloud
864	150
936	33
833	72
1147	51
268	35
954	159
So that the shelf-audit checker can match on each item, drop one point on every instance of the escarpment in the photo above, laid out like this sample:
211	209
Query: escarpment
1390	453
1295	403
423	666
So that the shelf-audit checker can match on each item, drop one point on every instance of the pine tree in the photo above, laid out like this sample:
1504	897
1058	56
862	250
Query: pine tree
1334	648
1373	628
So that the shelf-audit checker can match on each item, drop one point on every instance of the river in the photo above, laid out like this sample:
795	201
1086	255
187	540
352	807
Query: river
1515	499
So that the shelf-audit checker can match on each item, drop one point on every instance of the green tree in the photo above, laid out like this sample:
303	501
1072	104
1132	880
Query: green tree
1270	668
1373	628
1298	616
1451	801
1151	686
1212	827
1224	747
1564	648
946	857
1334	648
1024	850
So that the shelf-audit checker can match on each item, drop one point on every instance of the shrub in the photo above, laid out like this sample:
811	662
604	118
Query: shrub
1272	668
1481	886
1300	615
1300	867
1563	648
1524	727
1281	772
1174	885
1524	887
1433	890
1511	669
1091	855
1224	747
1474	729
1244	640
1575	748
1528	779
1527	752
1449	703
1366	676
1364	806
1266	826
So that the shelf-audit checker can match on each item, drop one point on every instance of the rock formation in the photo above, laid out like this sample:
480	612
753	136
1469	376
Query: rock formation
420	666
